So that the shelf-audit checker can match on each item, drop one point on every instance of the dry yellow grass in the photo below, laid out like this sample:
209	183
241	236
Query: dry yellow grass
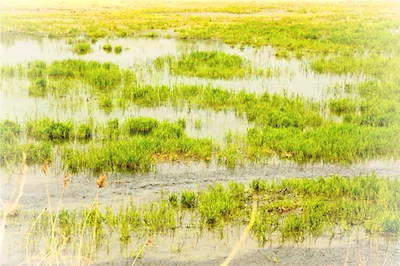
67	180
102	181
56	4
44	167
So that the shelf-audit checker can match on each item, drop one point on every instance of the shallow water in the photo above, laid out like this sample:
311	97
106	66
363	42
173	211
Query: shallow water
45	191
295	78
17	105
186	245
138	54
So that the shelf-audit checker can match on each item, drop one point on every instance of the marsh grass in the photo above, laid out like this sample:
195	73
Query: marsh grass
322	143
132	145
135	146
12	150
117	49
107	47
289	211
214	65
81	48
292	28
265	109
61	77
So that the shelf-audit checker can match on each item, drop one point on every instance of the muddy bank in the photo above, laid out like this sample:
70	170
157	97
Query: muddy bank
40	189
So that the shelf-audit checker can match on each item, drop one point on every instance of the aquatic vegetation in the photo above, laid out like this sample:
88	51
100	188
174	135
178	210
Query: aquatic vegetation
61	77
219	204
38	88
46	129
197	124
342	39
214	65
81	48
11	152
188	199
107	47
131	145
105	103
291	210
136	145
84	132
207	65
342	106
293	28
39	152
330	143
140	125
117	49
9	130
266	109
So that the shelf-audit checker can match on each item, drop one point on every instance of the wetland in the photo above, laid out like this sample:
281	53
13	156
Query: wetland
178	134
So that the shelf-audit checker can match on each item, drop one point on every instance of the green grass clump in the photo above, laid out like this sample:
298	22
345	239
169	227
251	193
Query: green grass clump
197	124
107	47
140	125
330	143
206	65
101	76
39	152
46	129
127	155
189	199
38	88
9	130
117	49
11	149
135	145
81	48
84	132
342	106
105	103
219	204
137	154
265	109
